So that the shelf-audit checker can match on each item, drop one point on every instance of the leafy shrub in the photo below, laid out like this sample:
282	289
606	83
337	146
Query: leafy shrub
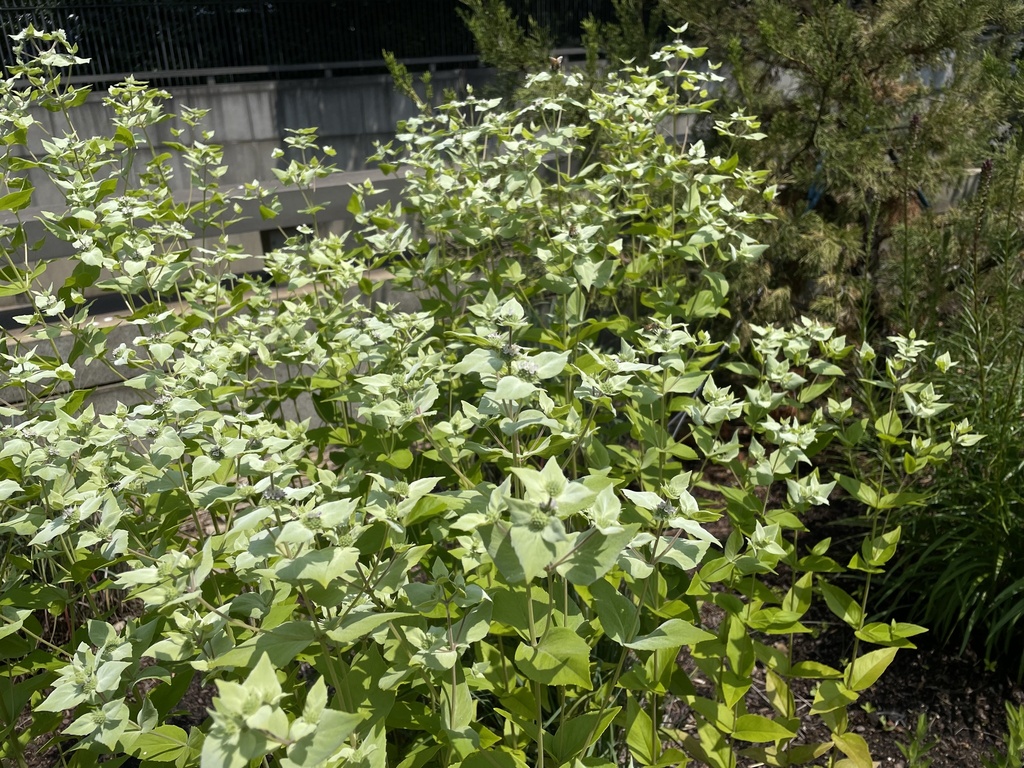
868	129
864	114
491	544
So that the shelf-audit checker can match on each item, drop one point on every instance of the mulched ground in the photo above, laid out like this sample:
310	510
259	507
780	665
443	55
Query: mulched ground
962	701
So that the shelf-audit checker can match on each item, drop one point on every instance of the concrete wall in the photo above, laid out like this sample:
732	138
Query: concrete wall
250	120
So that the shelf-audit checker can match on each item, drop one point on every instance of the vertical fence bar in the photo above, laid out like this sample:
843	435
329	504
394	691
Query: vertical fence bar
181	35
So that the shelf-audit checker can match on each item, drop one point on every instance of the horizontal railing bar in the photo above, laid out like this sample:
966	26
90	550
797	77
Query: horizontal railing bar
260	69
263	69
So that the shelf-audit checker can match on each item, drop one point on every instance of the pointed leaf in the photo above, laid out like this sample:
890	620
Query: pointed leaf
758	728
674	633
842	605
616	612
163	744
561	658
593	554
869	667
854	747
578	733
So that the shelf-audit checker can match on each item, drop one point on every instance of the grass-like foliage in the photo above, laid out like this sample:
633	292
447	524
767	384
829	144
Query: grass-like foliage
491	545
962	572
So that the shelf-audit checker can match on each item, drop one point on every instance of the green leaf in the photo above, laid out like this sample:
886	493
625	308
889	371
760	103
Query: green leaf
534	552
814	391
862	492
889	425
714	712
842	605
399	566
163	744
879	550
831	695
492	758
813	670
549	364
16	201
498	543
643	499
561	658
280	644
64	696
332	732
798	599
576	734
616	612
203	467
674	633
593	554
854	747
161	352
892	635
13	620
319	566
479	361
758	728
8	488
869	667
221	749
458	707
512	388
684	554
739	648
640	733
357	625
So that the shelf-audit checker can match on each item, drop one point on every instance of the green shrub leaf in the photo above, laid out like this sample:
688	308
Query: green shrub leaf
673	633
560	658
759	728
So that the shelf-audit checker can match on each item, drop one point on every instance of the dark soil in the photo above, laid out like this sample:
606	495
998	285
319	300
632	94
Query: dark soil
963	702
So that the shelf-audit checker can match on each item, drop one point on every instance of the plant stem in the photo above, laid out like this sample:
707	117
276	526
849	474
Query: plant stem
538	688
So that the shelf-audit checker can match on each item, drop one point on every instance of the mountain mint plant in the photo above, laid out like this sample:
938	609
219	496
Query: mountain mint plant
514	524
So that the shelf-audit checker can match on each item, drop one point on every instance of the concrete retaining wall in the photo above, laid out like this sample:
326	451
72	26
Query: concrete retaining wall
250	120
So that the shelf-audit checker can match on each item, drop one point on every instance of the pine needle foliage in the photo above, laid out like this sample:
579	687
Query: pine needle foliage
873	110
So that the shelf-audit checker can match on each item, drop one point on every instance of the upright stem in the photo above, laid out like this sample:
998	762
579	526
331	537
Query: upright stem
538	688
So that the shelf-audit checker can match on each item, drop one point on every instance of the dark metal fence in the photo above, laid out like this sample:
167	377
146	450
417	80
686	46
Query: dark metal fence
170	39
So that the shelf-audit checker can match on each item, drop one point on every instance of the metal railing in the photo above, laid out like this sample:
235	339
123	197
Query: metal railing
174	39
